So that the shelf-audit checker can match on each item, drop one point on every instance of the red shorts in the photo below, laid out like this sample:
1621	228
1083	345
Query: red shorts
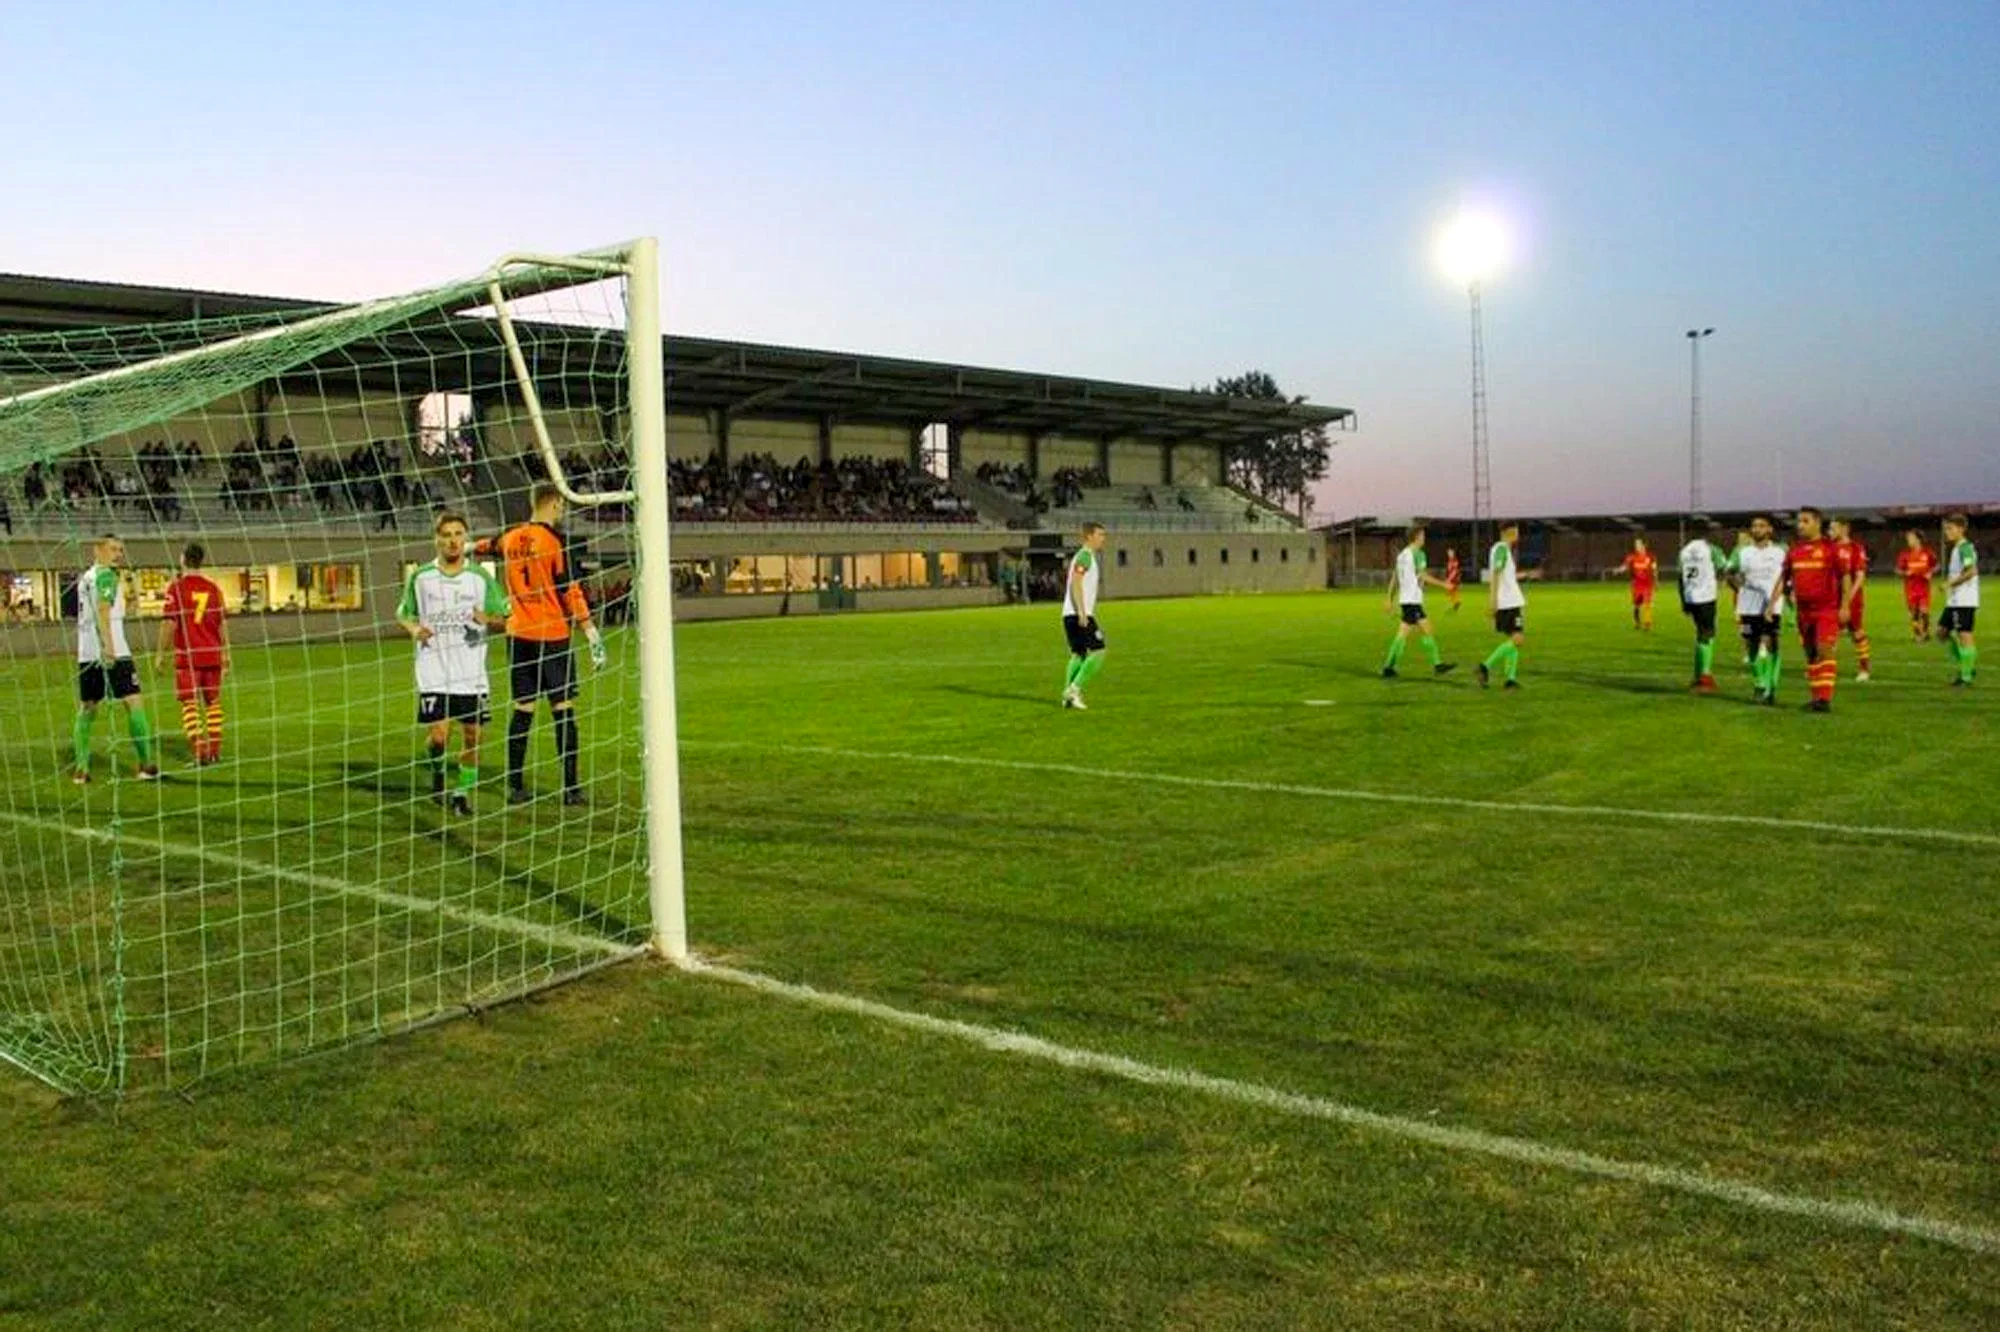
1641	595
1917	598
1819	624
190	680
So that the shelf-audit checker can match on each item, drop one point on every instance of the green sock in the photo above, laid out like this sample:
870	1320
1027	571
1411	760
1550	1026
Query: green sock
1498	655
1396	646
1069	675
79	738
142	733
1760	669
1513	661
1968	662
1431	649
1092	664
468	777
1704	659
1951	649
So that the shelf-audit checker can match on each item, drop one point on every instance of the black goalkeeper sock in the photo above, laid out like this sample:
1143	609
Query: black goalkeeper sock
518	727
436	754
566	745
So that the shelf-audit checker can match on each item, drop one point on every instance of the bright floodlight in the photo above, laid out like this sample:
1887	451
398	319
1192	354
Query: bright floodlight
1472	247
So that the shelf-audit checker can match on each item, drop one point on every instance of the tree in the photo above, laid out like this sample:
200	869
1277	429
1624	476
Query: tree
1280	468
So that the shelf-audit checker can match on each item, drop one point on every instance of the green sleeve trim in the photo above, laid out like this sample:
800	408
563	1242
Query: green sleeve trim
107	585
1421	561
406	609
496	600
1500	556
1969	553
1083	560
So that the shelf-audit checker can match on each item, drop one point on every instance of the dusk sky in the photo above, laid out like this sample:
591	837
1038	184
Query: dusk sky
1156	193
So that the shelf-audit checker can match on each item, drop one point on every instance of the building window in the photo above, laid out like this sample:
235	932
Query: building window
1192	557
1121	557
1312	554
1284	554
1225	554
1159	558
1256	555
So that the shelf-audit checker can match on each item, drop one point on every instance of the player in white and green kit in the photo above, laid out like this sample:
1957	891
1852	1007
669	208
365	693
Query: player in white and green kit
1080	627
1406	596
1505	606
1961	599
104	660
1702	568
1760	605
448	606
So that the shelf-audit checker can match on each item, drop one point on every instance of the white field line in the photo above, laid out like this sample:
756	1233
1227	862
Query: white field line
1949	836
1830	1212
552	935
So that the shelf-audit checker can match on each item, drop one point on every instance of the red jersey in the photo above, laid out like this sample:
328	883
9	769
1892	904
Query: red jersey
1812	569
1451	571
194	615
1850	560
1643	568
1917	566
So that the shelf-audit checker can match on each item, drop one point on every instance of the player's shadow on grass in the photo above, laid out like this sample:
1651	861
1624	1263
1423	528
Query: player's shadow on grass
1045	701
1623	684
399	785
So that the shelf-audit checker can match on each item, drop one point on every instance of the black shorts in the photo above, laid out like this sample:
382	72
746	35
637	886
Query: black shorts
1756	627
1508	621
94	682
435	708
1703	615
1955	620
540	669
1082	641
1413	612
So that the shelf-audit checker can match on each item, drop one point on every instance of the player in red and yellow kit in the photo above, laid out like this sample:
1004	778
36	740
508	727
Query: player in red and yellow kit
1850	557
1917	563
1454	572
1812	574
1645	573
544	600
191	630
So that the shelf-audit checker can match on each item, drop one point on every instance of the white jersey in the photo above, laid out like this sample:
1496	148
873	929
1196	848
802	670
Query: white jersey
100	585
1699	584
453	659
1086	560
1763	568
1410	567
1961	557
1504	577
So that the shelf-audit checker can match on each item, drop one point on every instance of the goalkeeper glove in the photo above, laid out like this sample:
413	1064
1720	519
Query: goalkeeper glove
599	657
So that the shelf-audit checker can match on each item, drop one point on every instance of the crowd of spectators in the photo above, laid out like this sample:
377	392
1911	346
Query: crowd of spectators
1065	485
757	488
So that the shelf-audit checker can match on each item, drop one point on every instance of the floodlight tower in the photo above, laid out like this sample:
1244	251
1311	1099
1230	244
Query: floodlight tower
1695	338
1470	250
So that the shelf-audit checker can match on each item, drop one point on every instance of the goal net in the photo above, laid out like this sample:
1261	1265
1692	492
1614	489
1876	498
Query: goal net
255	568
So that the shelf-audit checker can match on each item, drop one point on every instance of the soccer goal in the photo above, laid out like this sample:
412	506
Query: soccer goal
339	668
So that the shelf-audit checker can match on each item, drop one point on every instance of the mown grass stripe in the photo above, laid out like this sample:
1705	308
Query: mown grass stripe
1832	1212
1948	836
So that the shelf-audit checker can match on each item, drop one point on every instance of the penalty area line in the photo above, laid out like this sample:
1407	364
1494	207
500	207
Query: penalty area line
526	929
1949	836
1523	1151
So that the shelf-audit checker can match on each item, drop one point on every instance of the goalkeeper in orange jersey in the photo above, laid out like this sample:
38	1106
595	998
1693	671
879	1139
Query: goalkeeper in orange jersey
545	601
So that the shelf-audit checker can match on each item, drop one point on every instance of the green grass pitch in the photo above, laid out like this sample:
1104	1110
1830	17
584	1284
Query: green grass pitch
1191	875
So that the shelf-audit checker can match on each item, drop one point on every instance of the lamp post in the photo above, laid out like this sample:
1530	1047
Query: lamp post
1695	337
1471	249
